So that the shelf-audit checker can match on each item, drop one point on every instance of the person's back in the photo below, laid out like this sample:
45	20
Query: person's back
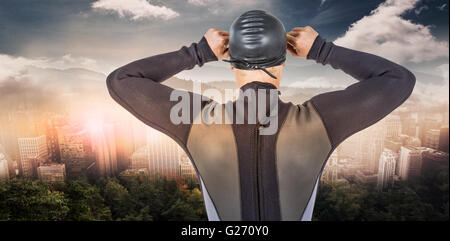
259	158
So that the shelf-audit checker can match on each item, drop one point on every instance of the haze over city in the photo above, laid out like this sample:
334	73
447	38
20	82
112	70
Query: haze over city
53	90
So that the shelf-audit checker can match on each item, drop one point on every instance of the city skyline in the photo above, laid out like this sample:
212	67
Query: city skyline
52	79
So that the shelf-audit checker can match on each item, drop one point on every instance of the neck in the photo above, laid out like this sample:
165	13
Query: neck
244	77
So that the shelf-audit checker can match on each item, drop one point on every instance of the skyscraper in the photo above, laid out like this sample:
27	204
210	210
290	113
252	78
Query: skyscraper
51	133
331	171
393	126
434	162
74	148
139	159
386	170
373	145
443	139
410	161
186	168
104	148
4	172
352	147
33	151
125	143
431	139
164	154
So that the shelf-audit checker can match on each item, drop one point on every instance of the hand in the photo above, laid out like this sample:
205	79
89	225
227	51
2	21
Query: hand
218	42
300	41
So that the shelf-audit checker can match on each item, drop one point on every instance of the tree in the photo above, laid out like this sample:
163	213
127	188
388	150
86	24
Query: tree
195	200
118	199
26	200
180	211
85	201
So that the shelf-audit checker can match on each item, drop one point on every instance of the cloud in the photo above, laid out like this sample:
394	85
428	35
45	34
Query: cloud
48	84
384	32
136	9
420	9
200	2
316	82
443	69
11	66
442	7
225	7
431	93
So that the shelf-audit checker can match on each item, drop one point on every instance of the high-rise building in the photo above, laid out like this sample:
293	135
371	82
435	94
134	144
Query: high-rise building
352	148
124	144
139	159
33	151
443	139
12	165
411	141
104	148
74	148
4	170
393	126
410	161
13	125
52	172
410	124
428	122
431	139
186	168
52	125
434	162
164	154
373	145
386	170
393	144
331	171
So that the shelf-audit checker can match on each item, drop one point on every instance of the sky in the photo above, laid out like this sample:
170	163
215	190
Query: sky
101	35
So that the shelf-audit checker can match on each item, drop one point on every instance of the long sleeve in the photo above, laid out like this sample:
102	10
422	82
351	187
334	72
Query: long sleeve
137	87
382	87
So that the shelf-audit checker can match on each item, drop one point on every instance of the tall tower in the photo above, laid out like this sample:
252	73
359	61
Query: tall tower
186	168
386	170
410	162
75	149
139	159
443	139
331	170
373	145
432	138
4	172
164	154
33	151
104	148
393	126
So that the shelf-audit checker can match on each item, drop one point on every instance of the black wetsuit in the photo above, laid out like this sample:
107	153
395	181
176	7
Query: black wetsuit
247	176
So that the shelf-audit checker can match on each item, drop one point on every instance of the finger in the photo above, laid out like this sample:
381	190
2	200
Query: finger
226	53
290	39
226	41
293	33
291	49
224	33
297	29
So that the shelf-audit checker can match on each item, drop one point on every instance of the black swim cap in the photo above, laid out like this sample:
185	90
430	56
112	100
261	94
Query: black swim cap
257	41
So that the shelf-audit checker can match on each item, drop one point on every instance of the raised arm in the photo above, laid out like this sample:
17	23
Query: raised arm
137	86
382	87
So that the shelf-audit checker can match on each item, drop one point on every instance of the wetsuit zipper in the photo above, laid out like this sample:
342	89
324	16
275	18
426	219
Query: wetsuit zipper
258	201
